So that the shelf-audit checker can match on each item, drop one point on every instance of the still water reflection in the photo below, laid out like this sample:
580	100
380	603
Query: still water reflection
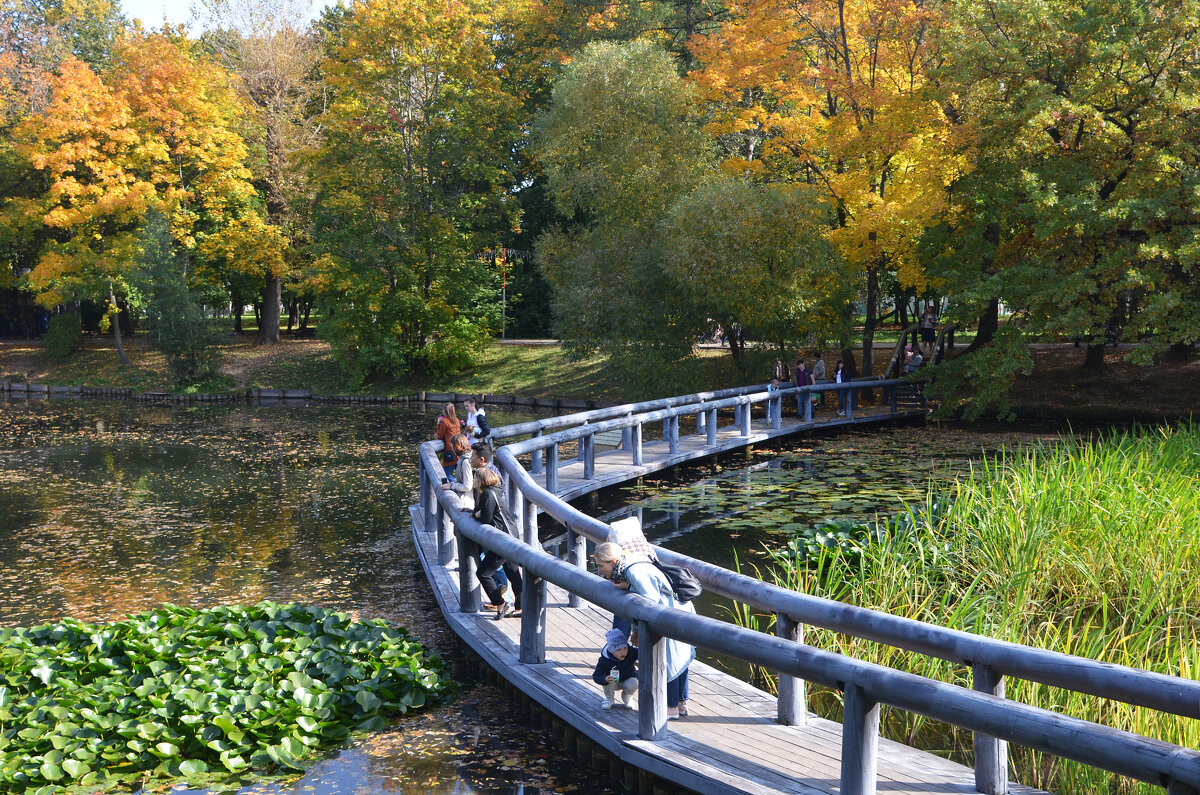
110	508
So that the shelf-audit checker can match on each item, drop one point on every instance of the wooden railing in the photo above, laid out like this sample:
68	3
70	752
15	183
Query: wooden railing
994	720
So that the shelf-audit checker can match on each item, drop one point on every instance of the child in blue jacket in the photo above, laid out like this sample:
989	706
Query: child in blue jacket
617	668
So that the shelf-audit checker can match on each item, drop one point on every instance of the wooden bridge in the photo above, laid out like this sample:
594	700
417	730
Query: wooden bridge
738	739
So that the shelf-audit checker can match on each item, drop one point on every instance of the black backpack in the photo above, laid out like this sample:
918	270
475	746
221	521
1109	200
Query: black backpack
683	582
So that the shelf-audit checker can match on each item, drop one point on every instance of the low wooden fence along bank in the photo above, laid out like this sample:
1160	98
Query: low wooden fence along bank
742	740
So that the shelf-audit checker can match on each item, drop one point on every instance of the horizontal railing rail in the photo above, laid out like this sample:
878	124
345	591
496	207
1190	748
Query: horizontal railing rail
984	710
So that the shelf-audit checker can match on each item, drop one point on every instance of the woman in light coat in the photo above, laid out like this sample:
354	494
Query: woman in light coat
643	578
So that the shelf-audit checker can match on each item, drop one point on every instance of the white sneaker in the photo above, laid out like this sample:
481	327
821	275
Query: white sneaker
606	703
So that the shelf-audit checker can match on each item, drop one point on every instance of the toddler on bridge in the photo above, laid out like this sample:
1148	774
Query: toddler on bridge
617	668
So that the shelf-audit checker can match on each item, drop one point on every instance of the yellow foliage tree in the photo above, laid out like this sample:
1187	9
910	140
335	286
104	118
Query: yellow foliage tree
834	94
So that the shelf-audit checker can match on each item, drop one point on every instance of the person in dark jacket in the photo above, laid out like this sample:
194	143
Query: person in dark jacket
617	668
489	509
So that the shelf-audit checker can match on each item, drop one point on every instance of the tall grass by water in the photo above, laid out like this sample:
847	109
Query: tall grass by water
1090	548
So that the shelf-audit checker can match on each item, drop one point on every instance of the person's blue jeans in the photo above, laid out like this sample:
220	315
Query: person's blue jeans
677	689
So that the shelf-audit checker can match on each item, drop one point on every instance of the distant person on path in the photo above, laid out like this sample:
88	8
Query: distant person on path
644	579
464	478
489	509
802	378
929	325
617	668
447	426
839	377
477	424
818	375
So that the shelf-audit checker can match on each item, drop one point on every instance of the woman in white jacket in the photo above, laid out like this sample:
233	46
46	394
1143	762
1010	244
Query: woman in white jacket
643	578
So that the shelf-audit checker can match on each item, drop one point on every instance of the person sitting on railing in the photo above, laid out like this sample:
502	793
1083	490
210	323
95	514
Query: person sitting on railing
617	668
914	361
464	478
644	579
490	510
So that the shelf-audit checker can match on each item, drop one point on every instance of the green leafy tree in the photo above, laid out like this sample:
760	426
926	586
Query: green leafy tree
174	316
1081	211
756	255
411	184
619	144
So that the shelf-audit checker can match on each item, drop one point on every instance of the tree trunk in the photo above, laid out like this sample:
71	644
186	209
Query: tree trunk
268	324
1181	351
1094	360
989	321
116	324
870	322
235	301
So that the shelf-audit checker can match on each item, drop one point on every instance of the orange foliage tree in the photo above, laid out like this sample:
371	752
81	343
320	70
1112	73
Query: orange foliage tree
158	132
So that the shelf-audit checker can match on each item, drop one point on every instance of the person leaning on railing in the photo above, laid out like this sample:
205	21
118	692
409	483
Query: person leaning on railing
644	579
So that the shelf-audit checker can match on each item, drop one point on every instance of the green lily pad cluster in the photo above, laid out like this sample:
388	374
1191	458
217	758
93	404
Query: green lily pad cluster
849	538
187	693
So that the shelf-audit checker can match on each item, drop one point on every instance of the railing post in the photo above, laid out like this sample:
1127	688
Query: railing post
588	447
673	434
577	557
426	491
700	422
515	500
895	401
710	428
626	438
533	596
445	531
652	683
552	468
791	708
468	583
636	449
991	754
860	742
579	454
806	397
744	413
535	458
777	412
850	398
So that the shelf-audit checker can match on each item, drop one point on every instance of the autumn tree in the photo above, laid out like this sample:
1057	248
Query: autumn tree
411	185
159	134
269	45
835	95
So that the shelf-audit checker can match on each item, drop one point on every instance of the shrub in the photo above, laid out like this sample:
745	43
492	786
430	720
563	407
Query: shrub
180	692
63	335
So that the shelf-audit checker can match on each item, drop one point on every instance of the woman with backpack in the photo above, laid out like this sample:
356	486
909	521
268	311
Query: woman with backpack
490	510
644	578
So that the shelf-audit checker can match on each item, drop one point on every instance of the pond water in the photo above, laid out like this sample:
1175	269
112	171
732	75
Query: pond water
111	508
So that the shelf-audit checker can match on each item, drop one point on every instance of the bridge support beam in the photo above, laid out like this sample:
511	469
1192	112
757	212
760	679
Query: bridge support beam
860	743
710	428
533	619
991	754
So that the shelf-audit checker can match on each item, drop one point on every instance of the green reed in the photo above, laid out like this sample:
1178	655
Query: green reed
1090	548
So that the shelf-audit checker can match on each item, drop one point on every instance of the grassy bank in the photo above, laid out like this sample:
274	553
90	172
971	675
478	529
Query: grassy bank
1089	549
501	369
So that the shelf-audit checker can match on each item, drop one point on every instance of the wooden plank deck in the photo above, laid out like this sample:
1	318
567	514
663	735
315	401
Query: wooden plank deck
616	466
729	744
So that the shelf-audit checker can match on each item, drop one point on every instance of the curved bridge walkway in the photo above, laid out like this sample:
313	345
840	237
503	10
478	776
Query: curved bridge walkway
738	739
